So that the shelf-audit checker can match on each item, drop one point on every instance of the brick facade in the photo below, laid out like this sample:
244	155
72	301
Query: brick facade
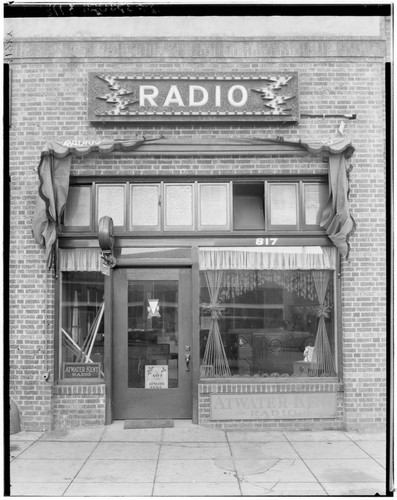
78	406
49	102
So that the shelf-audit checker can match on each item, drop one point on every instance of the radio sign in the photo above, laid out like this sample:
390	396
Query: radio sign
273	406
81	370
121	97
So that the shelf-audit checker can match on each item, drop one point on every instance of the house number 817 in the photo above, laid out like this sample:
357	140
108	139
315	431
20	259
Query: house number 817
266	241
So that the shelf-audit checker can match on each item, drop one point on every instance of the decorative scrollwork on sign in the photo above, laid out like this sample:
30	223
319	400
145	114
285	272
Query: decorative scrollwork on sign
275	102
116	96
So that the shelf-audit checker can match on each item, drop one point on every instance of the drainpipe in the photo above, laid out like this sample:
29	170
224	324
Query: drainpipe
46	374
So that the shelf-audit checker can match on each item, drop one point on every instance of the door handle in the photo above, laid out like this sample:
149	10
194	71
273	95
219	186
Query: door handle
187	362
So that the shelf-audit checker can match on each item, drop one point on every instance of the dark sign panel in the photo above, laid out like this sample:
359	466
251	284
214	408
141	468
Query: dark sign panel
128	97
81	370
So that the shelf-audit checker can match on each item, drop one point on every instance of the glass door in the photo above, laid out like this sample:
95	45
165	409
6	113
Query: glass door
152	343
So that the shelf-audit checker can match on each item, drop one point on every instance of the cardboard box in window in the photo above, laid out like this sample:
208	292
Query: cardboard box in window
302	368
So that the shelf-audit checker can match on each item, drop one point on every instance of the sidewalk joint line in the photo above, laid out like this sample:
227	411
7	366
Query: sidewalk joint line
85	461
234	465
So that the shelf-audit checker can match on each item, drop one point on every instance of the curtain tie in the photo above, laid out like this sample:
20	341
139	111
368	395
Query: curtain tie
215	309
323	311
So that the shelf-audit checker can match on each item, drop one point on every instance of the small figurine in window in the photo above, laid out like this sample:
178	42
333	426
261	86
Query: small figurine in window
308	354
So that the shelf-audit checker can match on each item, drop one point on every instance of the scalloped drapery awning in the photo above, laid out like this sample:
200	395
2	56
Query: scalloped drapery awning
54	173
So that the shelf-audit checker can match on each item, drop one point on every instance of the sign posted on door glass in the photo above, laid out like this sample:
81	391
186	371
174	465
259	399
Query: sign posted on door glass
156	377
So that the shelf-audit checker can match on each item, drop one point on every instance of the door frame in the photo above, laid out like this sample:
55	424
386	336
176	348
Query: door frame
135	402
129	262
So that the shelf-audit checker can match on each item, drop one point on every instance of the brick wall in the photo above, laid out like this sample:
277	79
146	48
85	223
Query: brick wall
78	406
49	102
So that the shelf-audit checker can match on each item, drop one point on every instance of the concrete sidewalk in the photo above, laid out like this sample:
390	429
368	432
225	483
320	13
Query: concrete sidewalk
188	460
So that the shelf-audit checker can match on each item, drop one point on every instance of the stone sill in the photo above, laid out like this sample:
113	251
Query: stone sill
121	49
278	384
235	39
97	389
95	381
261	380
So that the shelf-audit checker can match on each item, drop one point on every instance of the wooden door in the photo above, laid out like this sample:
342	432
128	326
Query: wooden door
152	343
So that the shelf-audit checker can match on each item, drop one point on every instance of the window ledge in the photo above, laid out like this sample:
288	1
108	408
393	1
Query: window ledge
261	380
271	384
84	388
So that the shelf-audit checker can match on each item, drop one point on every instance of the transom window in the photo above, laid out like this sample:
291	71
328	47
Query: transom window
254	205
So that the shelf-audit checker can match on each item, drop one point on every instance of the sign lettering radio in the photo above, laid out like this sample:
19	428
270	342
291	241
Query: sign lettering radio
81	370
273	406
272	97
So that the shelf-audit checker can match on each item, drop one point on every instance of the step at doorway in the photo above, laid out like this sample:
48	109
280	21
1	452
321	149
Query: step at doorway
145	423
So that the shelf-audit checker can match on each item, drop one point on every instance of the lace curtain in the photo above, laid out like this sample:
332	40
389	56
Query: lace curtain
215	360
322	360
80	259
282	258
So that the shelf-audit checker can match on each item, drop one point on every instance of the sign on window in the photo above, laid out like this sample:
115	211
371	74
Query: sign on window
156	377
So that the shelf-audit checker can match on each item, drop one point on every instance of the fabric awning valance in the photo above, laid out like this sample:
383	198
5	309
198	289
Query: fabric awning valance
80	259
267	258
54	173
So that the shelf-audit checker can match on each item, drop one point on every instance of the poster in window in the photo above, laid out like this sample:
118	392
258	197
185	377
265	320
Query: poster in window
156	377
283	205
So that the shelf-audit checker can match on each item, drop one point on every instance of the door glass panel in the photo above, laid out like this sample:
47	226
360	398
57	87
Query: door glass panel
153	334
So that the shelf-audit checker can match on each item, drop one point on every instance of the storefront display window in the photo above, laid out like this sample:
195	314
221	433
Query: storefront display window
267	312
82	326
